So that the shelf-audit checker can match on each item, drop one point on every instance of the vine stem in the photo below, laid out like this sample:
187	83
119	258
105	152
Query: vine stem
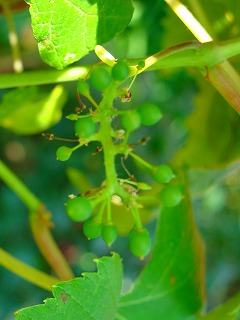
141	161
26	272
189	20
13	38
191	53
221	74
40	77
40	223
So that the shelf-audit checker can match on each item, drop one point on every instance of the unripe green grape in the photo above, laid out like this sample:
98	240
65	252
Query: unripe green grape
171	196
79	209
163	174
63	153
72	116
130	120
120	71
149	113
92	228
85	127
143	186
109	234
141	65
100	78
83	88
139	242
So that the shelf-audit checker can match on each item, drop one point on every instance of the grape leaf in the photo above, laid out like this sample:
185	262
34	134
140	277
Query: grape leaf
213	131
31	110
92	297
66	30
230	310
171	286
201	181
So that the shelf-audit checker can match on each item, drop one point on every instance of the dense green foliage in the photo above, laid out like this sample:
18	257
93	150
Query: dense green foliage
148	156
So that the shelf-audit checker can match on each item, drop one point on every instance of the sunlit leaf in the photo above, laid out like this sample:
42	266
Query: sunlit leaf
66	30
31	110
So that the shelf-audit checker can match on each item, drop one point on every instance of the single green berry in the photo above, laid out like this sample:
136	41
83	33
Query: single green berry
150	114
92	228
163	174
72	116
139	242
63	153
143	186
85	127
83	88
141	65
79	209
109	234
171	196
120	71
130	120
100	78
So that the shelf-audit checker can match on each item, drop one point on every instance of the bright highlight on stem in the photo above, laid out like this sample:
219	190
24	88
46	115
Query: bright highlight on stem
189	20
13	38
222	75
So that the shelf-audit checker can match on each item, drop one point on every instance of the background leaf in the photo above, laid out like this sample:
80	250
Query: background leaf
230	310
171	286
201	181
31	110
92	297
66	30
213	130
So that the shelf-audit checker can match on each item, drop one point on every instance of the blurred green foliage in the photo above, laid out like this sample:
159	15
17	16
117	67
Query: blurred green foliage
153	28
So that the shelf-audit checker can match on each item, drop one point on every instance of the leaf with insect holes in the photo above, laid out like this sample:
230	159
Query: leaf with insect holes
92	297
66	30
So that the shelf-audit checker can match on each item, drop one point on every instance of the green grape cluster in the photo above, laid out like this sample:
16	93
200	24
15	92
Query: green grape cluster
80	209
90	125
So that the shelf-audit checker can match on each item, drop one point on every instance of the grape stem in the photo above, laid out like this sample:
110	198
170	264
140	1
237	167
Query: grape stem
40	223
191	53
26	272
110	150
141	161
